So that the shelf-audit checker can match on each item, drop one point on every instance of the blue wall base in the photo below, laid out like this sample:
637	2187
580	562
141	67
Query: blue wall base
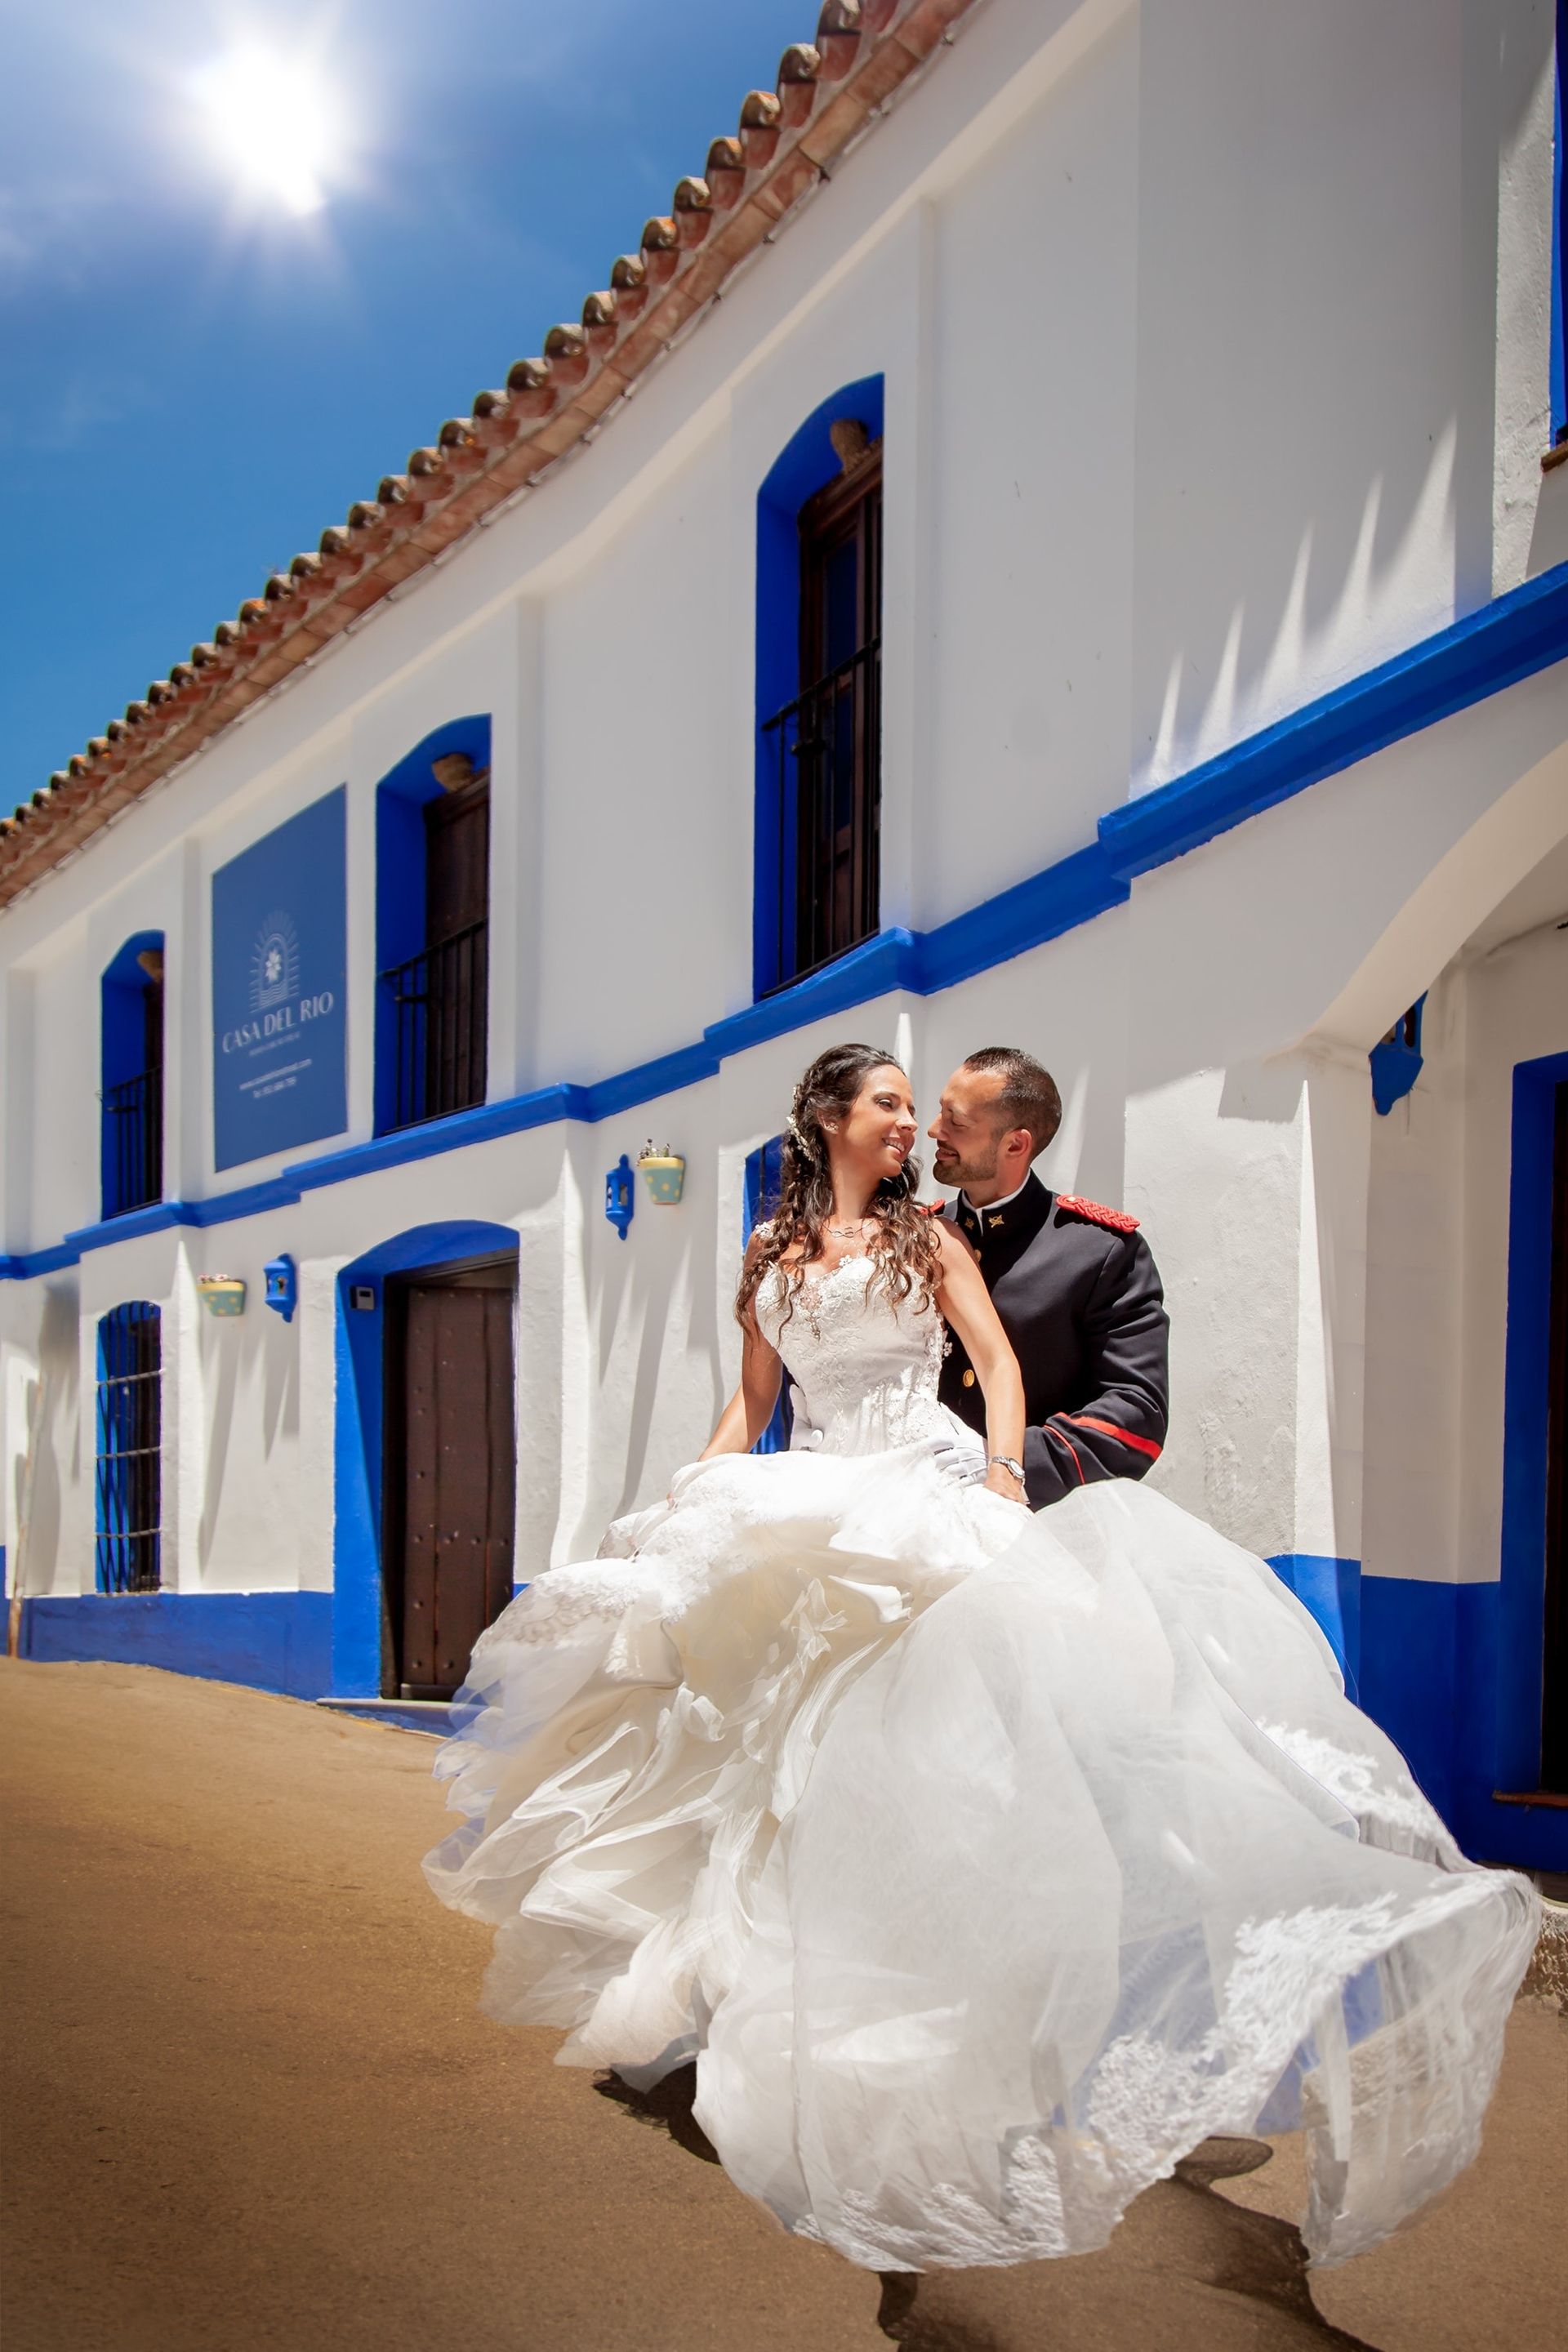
269	1641
1331	1589
1430	1663
1427	1655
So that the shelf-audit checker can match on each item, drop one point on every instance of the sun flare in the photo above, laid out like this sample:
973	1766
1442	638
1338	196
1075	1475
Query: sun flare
269	119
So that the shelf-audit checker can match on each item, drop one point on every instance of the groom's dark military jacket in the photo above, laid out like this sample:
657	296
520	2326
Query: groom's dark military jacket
1080	1301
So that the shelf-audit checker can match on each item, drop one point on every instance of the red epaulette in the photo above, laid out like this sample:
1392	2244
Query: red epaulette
930	1208
1116	1221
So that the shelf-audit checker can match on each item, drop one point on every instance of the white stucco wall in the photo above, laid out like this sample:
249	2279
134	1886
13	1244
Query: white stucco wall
1182	429
1438	1246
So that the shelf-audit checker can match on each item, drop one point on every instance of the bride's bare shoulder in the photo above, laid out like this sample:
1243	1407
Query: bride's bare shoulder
949	1237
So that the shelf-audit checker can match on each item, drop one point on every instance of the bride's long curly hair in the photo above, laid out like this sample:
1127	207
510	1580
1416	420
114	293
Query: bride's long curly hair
904	1248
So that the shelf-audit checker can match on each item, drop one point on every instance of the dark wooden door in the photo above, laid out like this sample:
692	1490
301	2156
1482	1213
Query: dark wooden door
452	1468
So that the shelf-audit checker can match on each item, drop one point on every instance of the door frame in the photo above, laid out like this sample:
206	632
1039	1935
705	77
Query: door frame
1522	1589
359	1405
456	1274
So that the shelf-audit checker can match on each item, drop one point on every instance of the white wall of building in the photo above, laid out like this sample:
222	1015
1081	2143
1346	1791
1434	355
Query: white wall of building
1182	429
1438	1246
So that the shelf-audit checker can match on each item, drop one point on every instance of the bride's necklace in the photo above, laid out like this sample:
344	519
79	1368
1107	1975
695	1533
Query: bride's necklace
849	1233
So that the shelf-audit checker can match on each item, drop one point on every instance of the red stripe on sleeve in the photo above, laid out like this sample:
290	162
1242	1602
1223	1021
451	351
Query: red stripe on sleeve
1109	1429
1077	1459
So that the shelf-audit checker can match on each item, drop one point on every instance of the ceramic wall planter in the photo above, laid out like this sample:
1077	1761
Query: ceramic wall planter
221	1294
665	1175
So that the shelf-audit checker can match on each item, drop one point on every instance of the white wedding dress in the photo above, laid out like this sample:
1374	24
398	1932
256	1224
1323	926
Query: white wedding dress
985	1863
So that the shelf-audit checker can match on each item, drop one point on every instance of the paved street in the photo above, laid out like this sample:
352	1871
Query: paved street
251	2103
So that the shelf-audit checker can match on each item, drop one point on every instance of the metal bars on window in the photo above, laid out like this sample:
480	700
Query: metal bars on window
129	1444
828	800
440	1007
133	1112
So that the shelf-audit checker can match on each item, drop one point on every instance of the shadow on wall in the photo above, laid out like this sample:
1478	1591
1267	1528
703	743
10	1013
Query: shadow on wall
1354	503
278	1373
51	1397
645	1287
217	1340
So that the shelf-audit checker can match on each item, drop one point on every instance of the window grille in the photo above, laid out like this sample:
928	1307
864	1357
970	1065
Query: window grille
436	1002
440	1010
129	1438
133	1095
764	1178
134	1145
827	743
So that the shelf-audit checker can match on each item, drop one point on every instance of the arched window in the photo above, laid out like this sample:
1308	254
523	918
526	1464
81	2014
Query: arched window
132	1065
763	1172
129	1448
432	928
819	623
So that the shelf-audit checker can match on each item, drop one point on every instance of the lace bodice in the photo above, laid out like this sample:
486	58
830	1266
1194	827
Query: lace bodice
866	1366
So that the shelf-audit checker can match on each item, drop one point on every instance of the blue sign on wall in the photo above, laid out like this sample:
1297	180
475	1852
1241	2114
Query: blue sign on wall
280	988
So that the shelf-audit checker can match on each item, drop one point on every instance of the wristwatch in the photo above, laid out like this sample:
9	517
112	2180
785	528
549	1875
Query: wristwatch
1006	1461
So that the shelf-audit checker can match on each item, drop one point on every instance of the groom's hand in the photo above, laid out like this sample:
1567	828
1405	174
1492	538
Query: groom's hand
962	1459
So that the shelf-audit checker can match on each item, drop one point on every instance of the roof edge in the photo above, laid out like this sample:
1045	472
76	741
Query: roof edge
827	93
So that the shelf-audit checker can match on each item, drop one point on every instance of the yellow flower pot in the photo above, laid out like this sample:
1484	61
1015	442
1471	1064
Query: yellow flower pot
666	1175
221	1294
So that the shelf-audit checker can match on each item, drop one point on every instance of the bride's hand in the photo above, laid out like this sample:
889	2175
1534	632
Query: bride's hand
1000	1481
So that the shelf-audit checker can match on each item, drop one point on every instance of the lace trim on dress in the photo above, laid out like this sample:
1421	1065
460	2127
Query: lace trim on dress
1149	2104
1401	1809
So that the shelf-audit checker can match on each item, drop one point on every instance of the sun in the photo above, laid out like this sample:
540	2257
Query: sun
269	119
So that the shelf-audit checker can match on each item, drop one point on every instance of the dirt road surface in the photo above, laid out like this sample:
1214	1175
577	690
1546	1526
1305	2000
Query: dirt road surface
251	2106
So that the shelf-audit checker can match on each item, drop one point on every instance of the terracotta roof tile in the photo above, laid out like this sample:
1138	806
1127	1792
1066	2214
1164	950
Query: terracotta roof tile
828	90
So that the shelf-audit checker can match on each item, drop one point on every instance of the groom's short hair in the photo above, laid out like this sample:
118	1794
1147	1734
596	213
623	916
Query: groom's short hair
1028	1096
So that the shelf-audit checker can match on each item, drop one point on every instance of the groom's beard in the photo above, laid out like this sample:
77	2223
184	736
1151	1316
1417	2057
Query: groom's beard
948	1169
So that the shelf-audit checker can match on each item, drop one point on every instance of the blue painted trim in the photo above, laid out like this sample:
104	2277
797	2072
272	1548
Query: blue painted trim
1073	891
763	1182
1526	1375
358	1437
874	969
123	994
401	798
1510	639
4	1588
244	1200
1430	1659
1397	1063
1331	1589
806	462
269	1641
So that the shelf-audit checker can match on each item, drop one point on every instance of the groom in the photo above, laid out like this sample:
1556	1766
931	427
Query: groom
1073	1284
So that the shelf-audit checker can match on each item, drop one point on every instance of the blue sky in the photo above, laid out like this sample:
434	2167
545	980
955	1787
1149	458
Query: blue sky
194	382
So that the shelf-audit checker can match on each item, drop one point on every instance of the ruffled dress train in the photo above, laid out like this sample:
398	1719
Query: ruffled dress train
983	1864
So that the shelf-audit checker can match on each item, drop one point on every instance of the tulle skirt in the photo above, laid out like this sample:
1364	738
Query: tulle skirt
983	1864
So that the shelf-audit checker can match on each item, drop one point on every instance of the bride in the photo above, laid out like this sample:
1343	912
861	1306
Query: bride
984	1862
